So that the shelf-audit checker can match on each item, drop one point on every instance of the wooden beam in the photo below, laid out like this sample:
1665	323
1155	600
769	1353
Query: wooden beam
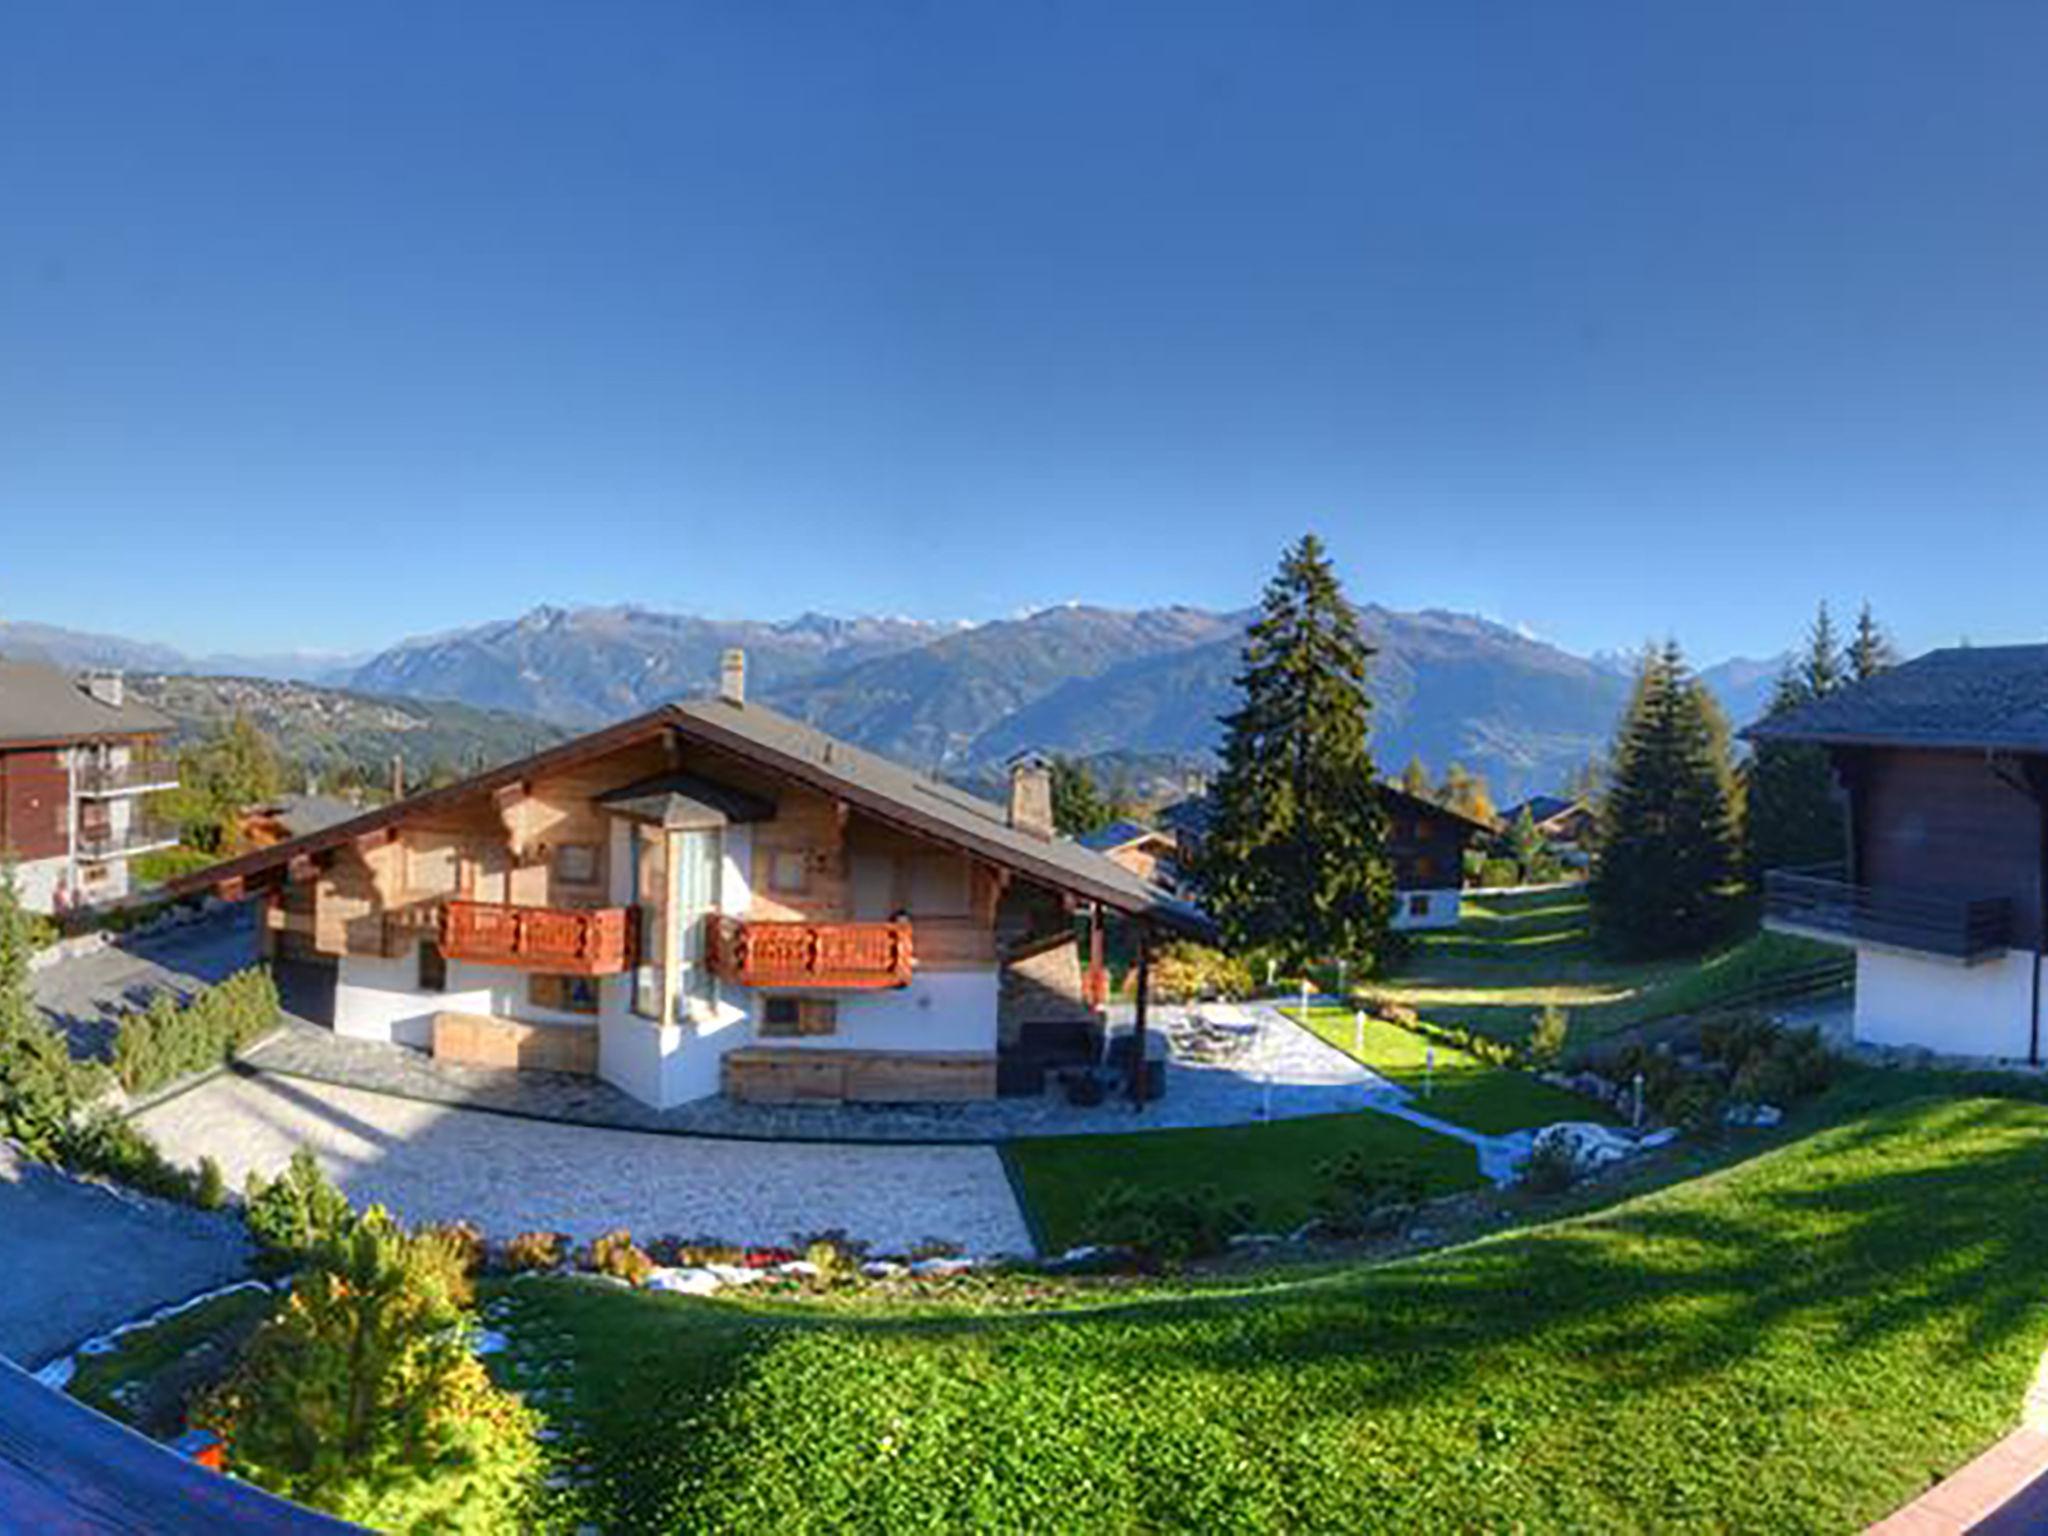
1138	1028
303	866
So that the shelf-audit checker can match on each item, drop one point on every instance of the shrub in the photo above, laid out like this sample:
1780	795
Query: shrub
103	1143
1361	1195
298	1211
617	1255
1548	1036
362	1396
837	1256
164	1042
210	1190
531	1251
1497	872
1185	972
1551	1167
1171	1225
464	1242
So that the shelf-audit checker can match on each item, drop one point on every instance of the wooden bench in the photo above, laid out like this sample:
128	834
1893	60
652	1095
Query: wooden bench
757	1074
479	1040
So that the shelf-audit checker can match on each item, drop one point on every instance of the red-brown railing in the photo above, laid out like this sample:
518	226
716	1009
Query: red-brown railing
597	942
835	955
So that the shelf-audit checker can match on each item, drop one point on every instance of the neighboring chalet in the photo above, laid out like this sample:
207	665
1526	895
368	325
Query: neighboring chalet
1147	852
77	756
290	816
1558	819
709	897
1943	764
1426	845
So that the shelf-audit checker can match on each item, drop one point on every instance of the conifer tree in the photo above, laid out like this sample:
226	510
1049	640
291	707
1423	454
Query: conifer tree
40	1086
1820	673
1666	879
1415	780
1078	805
1871	651
1295	856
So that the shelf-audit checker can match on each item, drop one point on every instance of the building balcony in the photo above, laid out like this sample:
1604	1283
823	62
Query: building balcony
826	956
98	781
598	942
1819	904
97	843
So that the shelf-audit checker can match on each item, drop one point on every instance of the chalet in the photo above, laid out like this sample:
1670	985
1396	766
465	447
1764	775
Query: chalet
710	897
1558	819
1426	844
1146	852
1943	767
77	756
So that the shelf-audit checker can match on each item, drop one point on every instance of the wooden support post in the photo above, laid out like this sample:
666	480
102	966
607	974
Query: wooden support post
1097	990
1138	1028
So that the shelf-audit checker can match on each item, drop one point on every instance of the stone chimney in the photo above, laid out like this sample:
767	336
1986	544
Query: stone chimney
1031	794
108	686
732	676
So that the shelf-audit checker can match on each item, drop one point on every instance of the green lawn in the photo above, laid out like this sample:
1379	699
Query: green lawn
1512	955
1799	1342
1461	1089
1273	1166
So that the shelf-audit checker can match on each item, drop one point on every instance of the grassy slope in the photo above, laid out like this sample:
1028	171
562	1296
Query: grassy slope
1273	1166
1461	1089
146	1379
1796	1343
1511	955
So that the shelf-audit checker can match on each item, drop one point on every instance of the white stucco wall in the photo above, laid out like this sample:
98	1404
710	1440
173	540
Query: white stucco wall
1445	907
38	881
1961	1010
380	999
938	1011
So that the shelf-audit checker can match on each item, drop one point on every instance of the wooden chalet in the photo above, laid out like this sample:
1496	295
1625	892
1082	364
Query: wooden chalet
1943	767
710	897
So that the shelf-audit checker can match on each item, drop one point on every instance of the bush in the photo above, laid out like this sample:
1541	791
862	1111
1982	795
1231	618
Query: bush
837	1256
465	1244
534	1251
1548	1036
164	1042
1551	1167
210	1190
617	1255
1170	1225
1185	972
103	1143
362	1395
1361	1195
297	1212
1496	873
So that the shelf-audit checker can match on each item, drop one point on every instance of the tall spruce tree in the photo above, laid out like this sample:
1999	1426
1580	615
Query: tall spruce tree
1666	879
1295	857
1820	673
1793	818
1415	780
1078	804
1870	650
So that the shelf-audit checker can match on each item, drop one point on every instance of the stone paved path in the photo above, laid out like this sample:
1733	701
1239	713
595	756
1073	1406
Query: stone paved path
431	1162
85	996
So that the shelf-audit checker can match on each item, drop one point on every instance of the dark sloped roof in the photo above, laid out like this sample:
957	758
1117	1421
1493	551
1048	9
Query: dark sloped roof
39	703
1978	698
919	804
300	814
1116	835
687	800
1541	808
1192	814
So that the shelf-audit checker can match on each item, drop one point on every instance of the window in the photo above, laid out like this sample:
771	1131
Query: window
576	863
700	859
563	994
1418	906
784	1017
650	888
789	871
433	967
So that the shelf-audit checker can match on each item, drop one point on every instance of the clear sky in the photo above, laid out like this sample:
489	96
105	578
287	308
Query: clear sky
325	323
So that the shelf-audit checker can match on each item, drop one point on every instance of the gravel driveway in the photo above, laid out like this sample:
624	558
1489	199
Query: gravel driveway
76	1259
86	995
431	1162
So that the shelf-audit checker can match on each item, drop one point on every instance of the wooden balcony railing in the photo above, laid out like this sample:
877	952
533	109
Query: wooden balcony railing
1936	923
139	775
839	956
574	943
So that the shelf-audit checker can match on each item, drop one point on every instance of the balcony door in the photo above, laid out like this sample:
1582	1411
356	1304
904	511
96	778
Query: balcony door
699	856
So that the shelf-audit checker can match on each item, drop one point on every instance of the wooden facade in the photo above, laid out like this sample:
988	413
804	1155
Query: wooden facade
35	803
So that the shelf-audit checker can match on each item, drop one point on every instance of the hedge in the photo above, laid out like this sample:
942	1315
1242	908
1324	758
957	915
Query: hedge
164	1042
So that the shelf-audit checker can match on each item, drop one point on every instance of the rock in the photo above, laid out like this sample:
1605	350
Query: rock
1768	1114
1590	1145
1255	1239
944	1266
684	1282
1659	1138
801	1268
736	1274
883	1269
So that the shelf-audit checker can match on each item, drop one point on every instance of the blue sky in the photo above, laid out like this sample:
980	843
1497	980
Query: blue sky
323	324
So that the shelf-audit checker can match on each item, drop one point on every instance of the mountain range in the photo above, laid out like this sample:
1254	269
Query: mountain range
1124	686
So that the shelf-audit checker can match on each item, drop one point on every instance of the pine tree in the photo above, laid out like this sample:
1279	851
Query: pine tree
1793	819
1078	805
1666	878
1295	856
41	1088
1871	651
1821	671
